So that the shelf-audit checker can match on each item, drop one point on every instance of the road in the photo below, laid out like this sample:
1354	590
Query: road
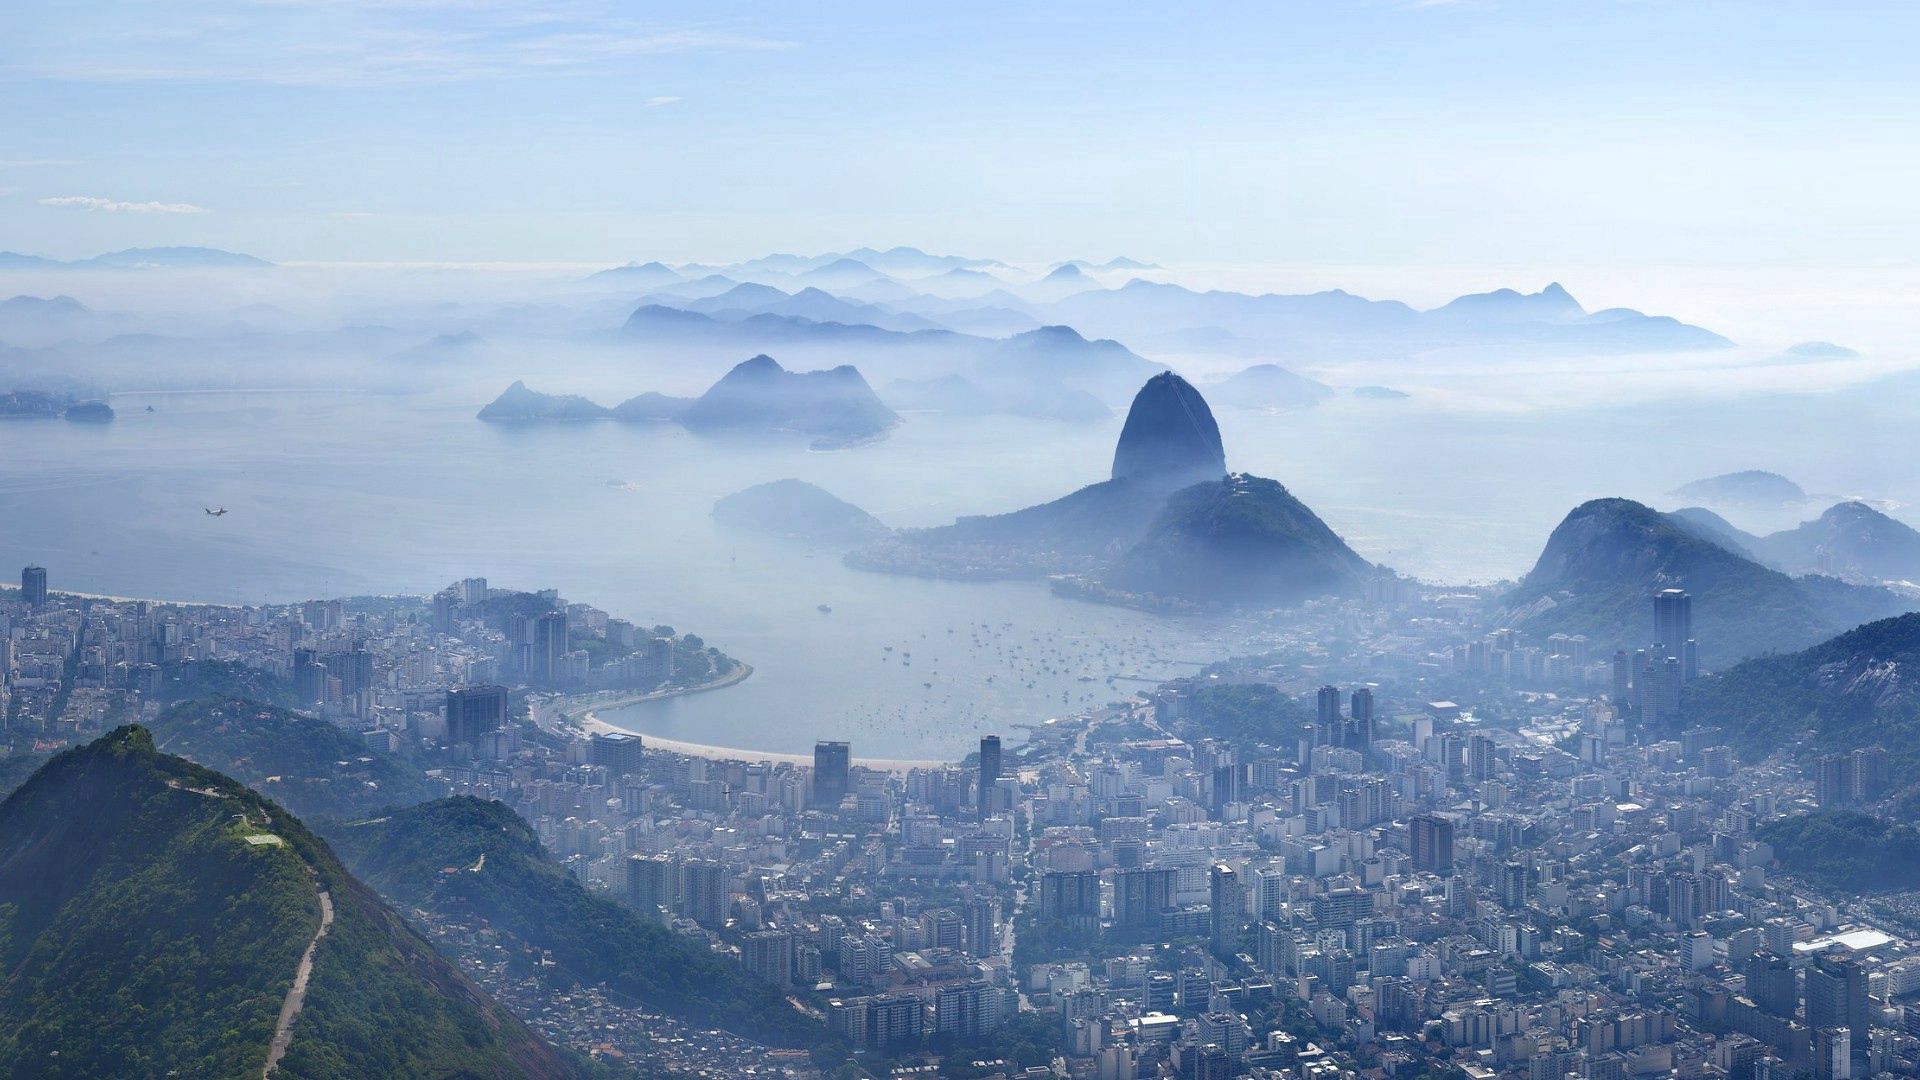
297	993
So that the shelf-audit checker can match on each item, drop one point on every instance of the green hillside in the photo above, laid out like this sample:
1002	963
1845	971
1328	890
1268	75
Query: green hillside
1861	688
312	767
148	927
1600	568
1243	539
469	858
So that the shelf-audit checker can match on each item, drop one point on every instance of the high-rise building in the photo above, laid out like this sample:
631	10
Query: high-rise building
895	1020
1229	909
472	711
1432	841
547	661
619	752
768	956
1833	780
1480	759
1360	730
1832	1053
1673	626
989	773
831	763
1326	725
966	1010
33	585
1770	983
652	884
1140	894
1070	898
704	891
1837	993
982	916
309	677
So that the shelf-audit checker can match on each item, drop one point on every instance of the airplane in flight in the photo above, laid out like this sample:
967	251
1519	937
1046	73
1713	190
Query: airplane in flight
211	512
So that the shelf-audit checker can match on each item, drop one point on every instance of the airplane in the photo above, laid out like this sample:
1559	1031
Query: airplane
216	513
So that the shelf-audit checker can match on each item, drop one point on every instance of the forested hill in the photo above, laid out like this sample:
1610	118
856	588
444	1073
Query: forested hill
1861	688
155	913
314	768
466	858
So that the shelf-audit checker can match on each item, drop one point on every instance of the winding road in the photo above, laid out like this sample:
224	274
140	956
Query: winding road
297	994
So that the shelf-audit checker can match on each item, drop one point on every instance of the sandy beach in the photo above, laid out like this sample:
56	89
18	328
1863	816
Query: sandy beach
592	724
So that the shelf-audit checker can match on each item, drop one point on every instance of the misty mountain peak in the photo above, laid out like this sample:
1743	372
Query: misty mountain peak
1169	431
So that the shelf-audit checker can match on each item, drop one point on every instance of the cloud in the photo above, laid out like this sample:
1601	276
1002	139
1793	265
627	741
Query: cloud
656	102
111	206
369	43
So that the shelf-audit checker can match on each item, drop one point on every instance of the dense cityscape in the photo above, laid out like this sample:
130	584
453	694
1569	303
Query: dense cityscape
1543	873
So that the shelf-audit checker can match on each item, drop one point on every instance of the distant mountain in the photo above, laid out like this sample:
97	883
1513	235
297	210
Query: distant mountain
41	307
760	395
312	767
156	258
1066	272
478	864
810	303
1714	529
157	912
1269	386
1169	527
441	349
1241	540
519	405
1861	688
1550	305
1809	352
1103	368
1851	538
843	274
1337	325
652	407
1117	263
637	275
797	510
1380	393
1169	432
1600	568
1753	487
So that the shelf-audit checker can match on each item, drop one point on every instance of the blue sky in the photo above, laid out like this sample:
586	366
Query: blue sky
1359	133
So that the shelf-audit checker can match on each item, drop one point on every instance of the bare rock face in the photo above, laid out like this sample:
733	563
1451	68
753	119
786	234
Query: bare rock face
1169	432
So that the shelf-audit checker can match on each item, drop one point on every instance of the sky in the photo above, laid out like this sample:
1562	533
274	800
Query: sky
1379	133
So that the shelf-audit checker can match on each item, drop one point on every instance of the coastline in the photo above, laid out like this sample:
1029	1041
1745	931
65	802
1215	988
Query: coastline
586	705
595	725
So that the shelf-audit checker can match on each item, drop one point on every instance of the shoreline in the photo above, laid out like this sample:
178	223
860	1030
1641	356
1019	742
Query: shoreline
586	706
729	753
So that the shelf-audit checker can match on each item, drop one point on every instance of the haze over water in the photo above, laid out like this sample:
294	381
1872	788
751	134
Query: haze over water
345	493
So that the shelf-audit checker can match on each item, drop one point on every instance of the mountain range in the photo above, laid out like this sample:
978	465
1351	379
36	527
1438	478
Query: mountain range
835	406
157	914
1056	354
155	258
1601	566
1850	539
